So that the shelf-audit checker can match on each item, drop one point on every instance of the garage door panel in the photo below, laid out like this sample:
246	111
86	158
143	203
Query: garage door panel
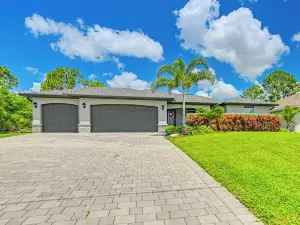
124	118
60	118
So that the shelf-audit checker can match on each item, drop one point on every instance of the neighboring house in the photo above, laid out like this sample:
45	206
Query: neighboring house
88	110
242	105
293	101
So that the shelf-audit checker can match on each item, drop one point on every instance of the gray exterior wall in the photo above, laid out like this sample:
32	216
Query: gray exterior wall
178	109
294	127
242	109
85	113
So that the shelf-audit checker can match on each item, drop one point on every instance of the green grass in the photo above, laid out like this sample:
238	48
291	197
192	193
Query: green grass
4	134
261	169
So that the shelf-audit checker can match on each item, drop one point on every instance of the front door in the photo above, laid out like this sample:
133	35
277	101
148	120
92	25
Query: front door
172	117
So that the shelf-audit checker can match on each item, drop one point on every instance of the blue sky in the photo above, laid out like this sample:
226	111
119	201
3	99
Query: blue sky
122	43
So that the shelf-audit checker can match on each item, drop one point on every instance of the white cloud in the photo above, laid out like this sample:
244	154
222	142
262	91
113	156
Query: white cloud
176	92
222	90
36	87
92	76
128	80
31	69
80	22
107	74
120	65
94	43
203	94
296	37
237	39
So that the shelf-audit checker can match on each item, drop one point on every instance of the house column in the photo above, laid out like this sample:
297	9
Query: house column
84	109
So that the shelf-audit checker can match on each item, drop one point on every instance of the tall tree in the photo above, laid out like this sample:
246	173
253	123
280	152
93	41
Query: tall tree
256	92
288	114
280	84
7	79
62	78
92	83
183	77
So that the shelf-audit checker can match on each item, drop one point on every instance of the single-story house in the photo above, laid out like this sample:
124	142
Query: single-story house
243	105
88	110
293	101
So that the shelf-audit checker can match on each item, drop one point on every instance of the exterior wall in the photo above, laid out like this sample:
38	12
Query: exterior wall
178	109
84	125
294	127
241	109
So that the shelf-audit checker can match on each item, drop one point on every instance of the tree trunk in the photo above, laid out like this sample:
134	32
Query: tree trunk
288	124
183	112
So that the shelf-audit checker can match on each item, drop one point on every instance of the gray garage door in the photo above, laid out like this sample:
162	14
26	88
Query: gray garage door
60	118
124	118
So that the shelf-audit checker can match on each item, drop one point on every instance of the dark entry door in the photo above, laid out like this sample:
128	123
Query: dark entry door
60	118
172	117
124	118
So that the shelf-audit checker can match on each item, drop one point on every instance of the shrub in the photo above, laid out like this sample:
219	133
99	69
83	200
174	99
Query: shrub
195	121
241	122
202	130
283	130
178	129
170	129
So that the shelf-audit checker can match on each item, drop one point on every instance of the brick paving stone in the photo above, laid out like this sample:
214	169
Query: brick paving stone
124	219
120	178
36	220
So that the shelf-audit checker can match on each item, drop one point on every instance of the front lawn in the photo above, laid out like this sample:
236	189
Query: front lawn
10	134
261	169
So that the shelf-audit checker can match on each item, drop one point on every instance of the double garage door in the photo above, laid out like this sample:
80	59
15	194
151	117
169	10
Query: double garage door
104	118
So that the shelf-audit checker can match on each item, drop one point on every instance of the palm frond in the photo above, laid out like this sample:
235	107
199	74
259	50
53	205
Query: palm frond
165	69
179	65
195	63
162	82
202	75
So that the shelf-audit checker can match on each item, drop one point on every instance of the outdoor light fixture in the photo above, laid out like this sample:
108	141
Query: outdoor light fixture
84	105
35	105
163	107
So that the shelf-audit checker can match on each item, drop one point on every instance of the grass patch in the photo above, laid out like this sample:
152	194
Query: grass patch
261	169
4	134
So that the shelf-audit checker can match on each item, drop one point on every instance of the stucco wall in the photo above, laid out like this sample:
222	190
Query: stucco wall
241	109
293	127
178	109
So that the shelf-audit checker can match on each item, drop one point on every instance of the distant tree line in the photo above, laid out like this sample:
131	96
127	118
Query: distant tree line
278	85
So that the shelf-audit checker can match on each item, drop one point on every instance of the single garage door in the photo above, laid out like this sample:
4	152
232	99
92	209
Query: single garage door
60	118
124	118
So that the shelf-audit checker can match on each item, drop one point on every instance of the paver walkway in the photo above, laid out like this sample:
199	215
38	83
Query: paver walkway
115	178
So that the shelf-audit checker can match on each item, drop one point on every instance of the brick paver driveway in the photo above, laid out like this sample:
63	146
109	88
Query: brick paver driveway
108	179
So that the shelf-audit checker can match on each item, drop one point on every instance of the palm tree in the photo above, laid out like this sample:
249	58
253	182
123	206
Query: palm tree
184	77
288	114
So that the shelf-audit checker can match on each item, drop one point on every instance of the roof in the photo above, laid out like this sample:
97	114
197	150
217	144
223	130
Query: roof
293	101
96	92
123	93
194	99
244	101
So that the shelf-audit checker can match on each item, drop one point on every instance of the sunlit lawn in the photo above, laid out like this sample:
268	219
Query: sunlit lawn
261	169
10	134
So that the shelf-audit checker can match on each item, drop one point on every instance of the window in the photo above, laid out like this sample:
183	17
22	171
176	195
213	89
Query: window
191	110
249	109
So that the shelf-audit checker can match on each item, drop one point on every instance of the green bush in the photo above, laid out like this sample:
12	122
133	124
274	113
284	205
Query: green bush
202	130
170	129
178	129
283	130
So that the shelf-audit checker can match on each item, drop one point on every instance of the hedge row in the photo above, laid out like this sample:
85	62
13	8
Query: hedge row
239	122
